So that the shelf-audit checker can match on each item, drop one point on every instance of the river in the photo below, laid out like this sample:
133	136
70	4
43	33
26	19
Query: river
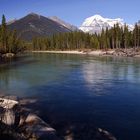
77	93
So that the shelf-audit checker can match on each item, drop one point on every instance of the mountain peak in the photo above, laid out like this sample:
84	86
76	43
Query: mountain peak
34	25
33	14
99	17
96	23
96	17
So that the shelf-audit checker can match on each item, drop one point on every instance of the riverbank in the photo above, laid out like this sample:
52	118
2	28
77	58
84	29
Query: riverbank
97	52
7	55
114	52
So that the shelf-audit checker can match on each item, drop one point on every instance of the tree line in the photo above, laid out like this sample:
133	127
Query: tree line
114	38
9	40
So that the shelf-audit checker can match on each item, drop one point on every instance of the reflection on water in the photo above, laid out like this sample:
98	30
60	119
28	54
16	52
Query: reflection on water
108	71
78	93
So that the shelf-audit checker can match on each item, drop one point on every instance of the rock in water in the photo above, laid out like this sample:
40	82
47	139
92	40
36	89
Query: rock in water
7	103
28	125
7	108
35	127
8	117
8	55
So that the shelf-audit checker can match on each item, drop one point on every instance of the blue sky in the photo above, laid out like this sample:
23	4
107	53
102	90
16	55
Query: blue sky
73	11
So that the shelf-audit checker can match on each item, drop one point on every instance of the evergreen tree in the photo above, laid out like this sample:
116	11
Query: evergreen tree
4	34
9	42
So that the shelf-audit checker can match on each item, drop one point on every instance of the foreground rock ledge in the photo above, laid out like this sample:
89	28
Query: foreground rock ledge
26	124
20	124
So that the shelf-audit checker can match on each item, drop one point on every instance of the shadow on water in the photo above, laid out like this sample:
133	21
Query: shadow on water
6	137
9	63
65	126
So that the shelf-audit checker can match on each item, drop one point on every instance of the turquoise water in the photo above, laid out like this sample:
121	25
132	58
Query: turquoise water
78	93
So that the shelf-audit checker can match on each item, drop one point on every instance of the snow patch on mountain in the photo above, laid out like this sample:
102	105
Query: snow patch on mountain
63	23
96	23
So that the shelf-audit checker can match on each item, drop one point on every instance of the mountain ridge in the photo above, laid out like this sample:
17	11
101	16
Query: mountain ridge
66	24
34	25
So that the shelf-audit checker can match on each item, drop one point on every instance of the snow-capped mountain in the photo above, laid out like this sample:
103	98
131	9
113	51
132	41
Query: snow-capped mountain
96	23
65	24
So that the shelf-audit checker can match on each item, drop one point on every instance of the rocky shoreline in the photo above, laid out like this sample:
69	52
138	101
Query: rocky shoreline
132	52
22	124
124	52
7	55
19	123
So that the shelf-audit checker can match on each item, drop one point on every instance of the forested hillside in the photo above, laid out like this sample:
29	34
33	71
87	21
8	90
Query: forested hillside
114	38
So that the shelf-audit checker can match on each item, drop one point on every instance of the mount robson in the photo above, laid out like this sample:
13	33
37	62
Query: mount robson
96	23
34	25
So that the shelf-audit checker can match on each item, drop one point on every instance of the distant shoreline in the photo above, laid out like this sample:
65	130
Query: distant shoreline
96	52
122	52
